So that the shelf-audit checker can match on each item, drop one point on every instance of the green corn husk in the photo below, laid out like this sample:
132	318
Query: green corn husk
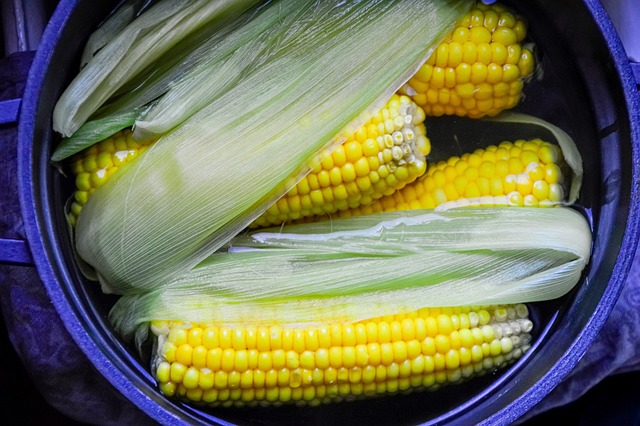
92	132
140	43
363	267
115	23
205	181
204	50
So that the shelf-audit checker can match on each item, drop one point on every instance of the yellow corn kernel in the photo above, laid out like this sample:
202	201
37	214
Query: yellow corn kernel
378	356
481	61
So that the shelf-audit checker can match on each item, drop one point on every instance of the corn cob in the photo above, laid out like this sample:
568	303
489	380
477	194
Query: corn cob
381	156
521	173
479	69
215	365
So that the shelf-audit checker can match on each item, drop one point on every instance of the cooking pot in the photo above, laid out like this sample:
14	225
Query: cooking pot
589	89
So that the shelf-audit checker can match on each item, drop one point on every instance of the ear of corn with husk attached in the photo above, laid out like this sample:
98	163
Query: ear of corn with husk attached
380	157
283	316
317	74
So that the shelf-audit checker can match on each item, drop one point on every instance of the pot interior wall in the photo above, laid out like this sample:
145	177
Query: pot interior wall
578	90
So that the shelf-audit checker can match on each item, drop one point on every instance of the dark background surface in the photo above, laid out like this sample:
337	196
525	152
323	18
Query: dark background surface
614	401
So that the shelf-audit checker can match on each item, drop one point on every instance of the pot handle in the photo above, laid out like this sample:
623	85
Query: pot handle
12	251
9	111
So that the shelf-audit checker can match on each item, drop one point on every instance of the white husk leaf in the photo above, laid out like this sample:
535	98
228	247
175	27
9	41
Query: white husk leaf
120	18
203	49
198	52
225	63
186	98
406	231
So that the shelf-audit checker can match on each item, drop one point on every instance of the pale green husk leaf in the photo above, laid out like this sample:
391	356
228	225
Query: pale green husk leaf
116	22
391	233
141	42
229	58
205	47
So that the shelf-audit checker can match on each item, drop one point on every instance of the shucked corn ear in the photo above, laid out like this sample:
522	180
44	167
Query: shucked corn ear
217	365
529	173
378	158
479	69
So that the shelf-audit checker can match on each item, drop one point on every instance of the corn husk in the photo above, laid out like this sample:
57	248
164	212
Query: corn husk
116	22
140	43
207	49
